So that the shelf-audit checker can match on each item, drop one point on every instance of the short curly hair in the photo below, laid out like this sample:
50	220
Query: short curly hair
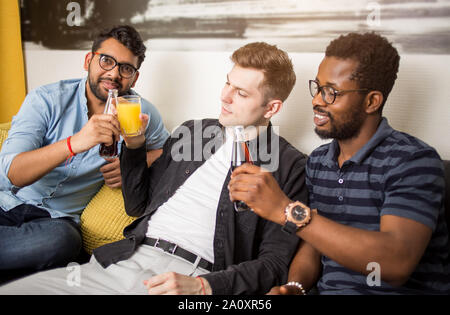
378	60
279	75
127	36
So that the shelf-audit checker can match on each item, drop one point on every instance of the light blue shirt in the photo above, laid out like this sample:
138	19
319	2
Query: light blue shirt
51	113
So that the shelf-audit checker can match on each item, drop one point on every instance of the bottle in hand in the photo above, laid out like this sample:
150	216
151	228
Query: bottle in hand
240	155
110	151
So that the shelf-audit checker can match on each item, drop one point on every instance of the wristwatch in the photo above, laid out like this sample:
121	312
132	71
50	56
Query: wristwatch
297	216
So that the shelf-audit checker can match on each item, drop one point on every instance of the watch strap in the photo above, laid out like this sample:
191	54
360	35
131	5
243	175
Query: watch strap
290	228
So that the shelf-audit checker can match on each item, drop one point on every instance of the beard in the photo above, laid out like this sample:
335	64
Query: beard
99	92
348	128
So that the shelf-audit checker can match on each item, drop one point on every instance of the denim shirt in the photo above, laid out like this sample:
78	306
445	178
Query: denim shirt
49	114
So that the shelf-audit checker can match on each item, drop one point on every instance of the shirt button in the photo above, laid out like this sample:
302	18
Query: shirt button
340	198
340	181
187	172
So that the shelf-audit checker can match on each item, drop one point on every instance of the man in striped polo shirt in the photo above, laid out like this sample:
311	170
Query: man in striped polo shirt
379	226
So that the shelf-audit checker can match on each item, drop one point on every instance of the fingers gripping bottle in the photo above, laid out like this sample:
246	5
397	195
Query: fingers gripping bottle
110	151
240	155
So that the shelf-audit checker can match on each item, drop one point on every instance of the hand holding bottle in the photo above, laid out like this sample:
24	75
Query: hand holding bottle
101	128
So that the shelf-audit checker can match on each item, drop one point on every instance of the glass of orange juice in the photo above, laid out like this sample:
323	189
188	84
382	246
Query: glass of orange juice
128	110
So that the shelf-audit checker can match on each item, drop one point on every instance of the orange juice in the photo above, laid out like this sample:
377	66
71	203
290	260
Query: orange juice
128	115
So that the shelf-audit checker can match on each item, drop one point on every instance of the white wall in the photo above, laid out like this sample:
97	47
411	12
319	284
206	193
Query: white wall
185	85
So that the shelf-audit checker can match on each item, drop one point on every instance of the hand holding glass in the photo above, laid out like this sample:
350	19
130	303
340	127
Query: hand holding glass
128	110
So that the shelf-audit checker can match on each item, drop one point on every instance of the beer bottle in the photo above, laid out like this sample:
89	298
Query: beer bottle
240	155
110	151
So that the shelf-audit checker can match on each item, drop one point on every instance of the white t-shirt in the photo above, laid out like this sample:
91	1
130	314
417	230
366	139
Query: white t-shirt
188	218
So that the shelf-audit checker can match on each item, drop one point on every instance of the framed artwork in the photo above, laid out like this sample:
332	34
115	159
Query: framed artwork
417	27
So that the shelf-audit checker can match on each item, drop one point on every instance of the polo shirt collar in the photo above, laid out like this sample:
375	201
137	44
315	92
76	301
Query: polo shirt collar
383	131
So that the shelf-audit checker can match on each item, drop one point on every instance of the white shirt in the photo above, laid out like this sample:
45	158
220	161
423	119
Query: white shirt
188	218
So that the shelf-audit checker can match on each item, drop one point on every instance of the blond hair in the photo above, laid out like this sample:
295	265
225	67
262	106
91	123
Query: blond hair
279	75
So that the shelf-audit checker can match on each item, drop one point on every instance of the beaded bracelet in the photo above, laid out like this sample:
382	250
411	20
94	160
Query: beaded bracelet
298	285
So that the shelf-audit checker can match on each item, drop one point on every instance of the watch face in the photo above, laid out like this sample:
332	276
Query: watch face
298	213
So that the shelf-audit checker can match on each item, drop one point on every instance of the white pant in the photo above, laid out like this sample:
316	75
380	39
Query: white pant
125	277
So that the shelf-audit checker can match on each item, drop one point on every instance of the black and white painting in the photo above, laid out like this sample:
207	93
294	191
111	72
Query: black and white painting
415	26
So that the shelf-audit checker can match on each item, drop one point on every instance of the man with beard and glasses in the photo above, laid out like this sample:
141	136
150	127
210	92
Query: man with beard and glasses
375	222
50	163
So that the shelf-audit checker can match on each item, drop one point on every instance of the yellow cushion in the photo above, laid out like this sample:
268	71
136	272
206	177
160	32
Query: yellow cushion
4	128
104	219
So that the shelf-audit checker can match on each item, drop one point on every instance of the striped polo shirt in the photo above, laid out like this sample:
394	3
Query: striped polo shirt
393	174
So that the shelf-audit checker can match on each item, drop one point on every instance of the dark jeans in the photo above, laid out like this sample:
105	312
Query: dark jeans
31	239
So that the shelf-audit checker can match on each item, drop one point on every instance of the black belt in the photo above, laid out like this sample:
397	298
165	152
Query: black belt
174	249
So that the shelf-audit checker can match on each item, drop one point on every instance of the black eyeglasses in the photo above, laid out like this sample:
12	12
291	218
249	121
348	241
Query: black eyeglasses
108	63
328	93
